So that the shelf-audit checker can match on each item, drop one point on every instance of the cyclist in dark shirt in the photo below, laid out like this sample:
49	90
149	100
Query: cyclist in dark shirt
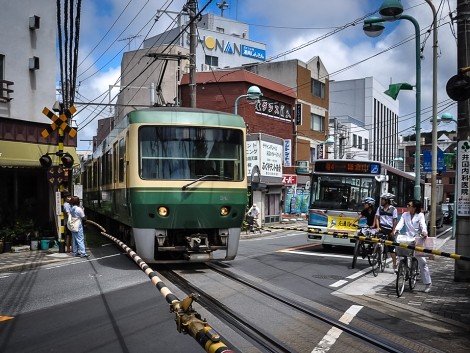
368	211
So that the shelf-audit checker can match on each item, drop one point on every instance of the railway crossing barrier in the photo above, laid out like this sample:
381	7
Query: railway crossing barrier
188	321
375	240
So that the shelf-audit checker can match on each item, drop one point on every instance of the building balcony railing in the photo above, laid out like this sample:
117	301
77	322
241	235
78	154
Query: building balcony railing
5	91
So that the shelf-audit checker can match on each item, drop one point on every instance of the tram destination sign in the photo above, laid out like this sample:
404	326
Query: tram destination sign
347	167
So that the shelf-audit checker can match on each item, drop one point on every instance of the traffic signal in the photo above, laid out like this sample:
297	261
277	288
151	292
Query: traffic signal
67	160
46	161
458	87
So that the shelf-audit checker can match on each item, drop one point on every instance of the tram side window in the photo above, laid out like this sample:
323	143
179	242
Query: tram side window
122	152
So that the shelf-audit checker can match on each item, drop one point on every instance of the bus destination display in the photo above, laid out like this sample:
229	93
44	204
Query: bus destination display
354	167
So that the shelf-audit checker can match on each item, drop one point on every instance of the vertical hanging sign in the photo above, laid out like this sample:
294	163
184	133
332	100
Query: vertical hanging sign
463	178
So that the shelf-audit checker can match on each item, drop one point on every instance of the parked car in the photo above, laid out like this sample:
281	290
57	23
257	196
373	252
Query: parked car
448	212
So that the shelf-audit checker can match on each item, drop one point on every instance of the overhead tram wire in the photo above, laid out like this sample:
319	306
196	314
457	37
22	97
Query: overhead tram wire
108	31
314	41
124	68
123	31
168	46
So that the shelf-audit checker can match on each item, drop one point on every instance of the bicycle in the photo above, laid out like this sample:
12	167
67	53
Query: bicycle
379	255
361	249
408	270
252	225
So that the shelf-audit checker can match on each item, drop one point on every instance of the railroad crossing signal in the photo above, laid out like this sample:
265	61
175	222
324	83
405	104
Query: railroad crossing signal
57	174
59	121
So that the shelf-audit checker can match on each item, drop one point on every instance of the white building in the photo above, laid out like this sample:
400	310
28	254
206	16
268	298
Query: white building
27	85
222	43
365	101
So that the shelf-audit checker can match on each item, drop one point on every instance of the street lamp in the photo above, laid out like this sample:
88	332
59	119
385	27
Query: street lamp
253	93
373	27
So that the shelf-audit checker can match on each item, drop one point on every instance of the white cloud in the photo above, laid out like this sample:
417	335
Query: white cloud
277	24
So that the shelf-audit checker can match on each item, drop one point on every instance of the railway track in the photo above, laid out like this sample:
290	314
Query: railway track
274	322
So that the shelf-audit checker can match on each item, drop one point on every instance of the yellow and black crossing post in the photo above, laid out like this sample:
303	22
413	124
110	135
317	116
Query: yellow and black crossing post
61	172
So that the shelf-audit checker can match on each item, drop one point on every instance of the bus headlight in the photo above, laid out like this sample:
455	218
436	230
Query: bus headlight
224	211
163	211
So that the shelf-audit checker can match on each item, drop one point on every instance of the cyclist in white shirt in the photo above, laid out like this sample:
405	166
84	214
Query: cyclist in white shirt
386	220
415	224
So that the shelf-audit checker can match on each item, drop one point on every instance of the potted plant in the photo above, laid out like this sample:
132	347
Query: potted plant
34	244
22	230
7	236
2	239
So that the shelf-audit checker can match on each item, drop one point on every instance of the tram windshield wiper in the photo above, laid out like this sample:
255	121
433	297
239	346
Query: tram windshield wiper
206	177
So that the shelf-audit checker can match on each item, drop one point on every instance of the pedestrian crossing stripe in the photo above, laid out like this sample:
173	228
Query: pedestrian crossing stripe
59	121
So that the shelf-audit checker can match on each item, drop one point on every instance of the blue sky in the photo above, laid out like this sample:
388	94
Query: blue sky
282	26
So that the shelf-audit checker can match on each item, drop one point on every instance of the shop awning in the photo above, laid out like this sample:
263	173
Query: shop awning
23	154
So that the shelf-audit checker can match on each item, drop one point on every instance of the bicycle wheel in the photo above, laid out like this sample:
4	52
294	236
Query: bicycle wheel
401	278
357	247
370	251
413	273
383	256
373	260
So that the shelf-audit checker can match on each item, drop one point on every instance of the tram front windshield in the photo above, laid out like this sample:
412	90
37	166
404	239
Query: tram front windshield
341	192
188	153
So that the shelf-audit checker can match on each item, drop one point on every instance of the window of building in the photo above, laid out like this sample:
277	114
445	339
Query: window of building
211	60
359	142
317	122
318	88
366	144
313	154
354	143
2	67
220	29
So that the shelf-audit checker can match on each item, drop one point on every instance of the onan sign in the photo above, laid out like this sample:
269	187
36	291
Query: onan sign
232	48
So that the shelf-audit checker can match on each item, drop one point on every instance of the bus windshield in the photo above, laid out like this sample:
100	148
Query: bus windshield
341	192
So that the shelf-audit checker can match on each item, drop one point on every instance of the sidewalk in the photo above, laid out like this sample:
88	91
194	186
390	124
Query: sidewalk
28	260
448	299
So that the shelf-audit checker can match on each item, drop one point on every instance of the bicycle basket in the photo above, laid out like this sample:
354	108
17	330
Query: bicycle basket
404	239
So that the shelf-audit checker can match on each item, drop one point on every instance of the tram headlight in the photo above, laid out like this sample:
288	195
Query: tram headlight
224	211
162	211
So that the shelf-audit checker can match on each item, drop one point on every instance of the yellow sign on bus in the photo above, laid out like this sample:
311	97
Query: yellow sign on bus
341	223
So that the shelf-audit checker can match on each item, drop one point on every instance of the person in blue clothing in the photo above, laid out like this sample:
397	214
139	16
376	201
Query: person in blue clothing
78	238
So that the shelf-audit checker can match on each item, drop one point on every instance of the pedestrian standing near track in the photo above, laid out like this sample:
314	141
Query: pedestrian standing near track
78	238
386	220
367	212
68	233
415	224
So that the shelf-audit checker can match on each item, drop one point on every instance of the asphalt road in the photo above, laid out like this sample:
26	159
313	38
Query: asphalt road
106	304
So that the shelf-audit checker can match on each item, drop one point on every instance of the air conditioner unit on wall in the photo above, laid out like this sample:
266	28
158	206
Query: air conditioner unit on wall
34	63
34	22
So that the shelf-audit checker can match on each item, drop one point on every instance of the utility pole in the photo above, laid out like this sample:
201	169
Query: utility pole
462	243
192	52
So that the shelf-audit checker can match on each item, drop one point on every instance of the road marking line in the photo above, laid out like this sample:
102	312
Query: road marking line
299	247
5	318
315	254
338	283
333	334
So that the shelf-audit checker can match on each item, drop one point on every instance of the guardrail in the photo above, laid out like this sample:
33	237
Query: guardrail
375	240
